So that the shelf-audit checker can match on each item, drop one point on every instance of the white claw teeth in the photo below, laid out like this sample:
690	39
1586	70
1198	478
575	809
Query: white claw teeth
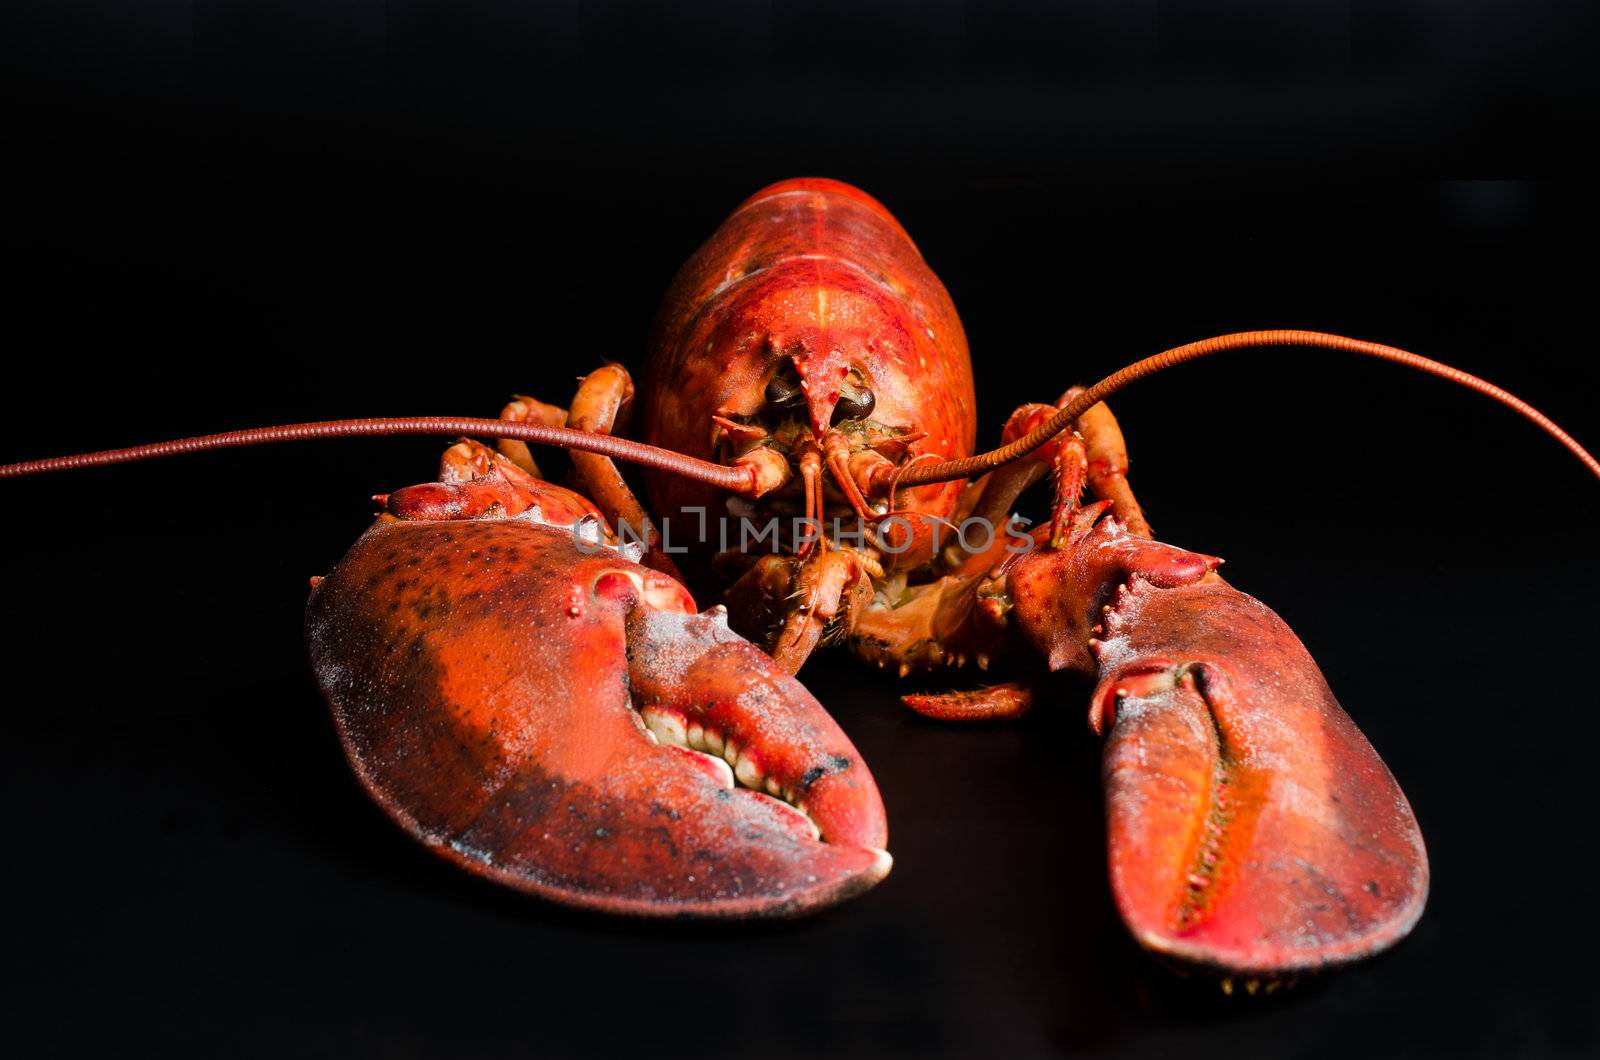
748	772
668	727
785	808
723	771
718	767
731	767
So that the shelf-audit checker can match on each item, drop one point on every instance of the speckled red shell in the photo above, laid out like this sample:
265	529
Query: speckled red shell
484	677
818	272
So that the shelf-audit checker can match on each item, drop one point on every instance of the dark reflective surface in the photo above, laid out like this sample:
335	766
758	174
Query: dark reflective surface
426	220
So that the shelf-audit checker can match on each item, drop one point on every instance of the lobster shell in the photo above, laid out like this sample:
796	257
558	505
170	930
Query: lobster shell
819	274
484	676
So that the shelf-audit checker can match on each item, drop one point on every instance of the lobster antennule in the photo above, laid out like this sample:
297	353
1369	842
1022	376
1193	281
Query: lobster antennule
736	479
1006	454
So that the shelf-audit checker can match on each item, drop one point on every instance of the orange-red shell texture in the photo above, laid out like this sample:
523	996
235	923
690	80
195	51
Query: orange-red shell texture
486	677
1252	828
816	273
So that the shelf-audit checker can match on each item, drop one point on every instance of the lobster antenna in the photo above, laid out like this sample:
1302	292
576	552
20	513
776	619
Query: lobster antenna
1062	420
737	479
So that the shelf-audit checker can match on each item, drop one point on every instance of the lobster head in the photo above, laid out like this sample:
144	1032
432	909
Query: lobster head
808	316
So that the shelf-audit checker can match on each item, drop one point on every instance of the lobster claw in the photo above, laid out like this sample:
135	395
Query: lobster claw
511	699
1252	829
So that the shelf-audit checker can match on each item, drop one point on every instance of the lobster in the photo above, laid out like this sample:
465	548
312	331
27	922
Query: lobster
483	645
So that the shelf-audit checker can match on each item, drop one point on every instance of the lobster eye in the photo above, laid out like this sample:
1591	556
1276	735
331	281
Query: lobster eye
854	405
783	390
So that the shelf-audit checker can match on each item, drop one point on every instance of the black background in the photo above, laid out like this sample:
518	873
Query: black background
224	217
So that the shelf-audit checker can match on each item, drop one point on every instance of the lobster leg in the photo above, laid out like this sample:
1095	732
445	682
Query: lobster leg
829	585
808	595
958	617
1001	702
1097	450
522	409
474	481
601	406
1107	457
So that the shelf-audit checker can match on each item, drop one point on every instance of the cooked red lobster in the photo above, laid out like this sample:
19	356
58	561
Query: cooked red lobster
522	681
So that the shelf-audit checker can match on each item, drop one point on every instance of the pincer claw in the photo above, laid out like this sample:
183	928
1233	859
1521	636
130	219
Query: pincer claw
1252	829
546	716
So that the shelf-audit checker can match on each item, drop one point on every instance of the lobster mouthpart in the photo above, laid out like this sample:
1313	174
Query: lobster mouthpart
503	694
1252	828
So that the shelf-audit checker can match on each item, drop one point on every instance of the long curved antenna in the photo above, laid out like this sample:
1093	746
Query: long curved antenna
982	462
736	479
